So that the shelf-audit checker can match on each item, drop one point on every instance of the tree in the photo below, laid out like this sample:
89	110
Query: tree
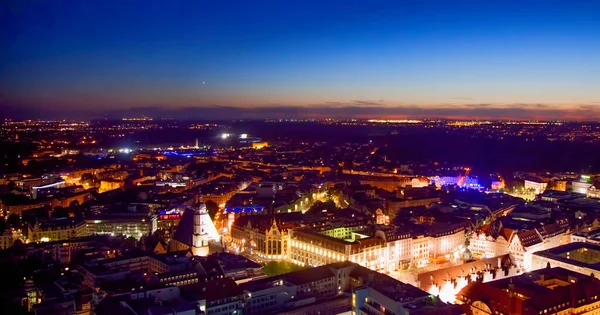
273	268
130	242
150	241
513	184
60	212
89	179
11	185
2	224
14	221
212	208
319	207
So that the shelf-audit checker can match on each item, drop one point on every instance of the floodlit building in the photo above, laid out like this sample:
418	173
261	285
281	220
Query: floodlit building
56	230
200	236
54	185
519	244
134	224
194	232
8	238
459	180
581	187
593	192
256	236
537	185
386	249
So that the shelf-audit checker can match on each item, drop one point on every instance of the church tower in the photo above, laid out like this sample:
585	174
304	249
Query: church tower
201	237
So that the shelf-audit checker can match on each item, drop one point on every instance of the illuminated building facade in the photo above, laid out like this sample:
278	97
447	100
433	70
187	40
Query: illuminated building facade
587	236
194	232
56	230
8	208
107	185
593	192
445	241
168	219
447	282
310	248
461	181
132	224
398	248
260	145
258	237
497	185
520	244
560	185
35	189
389	183
486	246
219	199
8	238
537	186
387	250
581	187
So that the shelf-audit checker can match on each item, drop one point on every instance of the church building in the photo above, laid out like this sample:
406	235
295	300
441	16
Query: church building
194	232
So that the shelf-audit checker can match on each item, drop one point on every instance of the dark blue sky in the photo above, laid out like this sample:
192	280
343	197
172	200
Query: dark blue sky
536	59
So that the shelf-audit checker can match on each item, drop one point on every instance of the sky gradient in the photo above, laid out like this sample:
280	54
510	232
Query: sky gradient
367	59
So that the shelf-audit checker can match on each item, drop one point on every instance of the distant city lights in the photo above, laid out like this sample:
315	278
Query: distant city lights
403	121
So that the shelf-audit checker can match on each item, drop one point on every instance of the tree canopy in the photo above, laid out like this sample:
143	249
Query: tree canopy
212	208
273	268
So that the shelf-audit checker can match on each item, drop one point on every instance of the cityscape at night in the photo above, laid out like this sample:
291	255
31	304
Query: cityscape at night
315	157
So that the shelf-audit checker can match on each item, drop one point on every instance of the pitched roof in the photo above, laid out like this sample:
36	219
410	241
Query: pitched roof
540	294
439	276
530	238
185	229
309	275
212	290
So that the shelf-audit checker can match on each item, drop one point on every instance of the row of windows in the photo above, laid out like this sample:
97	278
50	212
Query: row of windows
230	308
262	306
181	277
262	299
179	283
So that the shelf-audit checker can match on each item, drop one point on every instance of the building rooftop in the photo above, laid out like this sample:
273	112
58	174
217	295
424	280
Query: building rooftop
60	223
548	290
211	290
185	229
580	254
309	275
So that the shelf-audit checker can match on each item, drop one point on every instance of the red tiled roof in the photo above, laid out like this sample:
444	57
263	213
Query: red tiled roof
529	238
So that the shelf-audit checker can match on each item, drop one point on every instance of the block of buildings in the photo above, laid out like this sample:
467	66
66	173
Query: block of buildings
579	257
545	291
56	230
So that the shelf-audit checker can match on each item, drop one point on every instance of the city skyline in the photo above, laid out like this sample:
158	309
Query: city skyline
425	59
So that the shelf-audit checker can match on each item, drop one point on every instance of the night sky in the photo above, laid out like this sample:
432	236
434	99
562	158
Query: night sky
365	59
